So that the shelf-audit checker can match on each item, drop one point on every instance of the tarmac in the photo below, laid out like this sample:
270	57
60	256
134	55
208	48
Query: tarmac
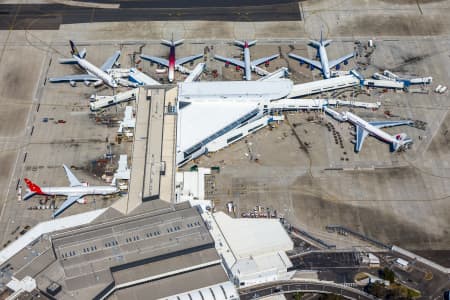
50	16
399	198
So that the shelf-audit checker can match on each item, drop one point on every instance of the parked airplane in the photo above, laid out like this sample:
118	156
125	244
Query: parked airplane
363	128
94	74
173	64
247	65
324	64
74	192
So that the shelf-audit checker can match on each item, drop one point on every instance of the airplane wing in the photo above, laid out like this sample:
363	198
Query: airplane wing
336	62
384	124
230	60
361	134
110	61
72	179
66	204
81	77
308	61
184	60
262	60
157	60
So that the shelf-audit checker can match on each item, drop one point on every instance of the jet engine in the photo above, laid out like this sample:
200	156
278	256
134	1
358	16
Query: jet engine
87	83
73	83
338	67
345	62
98	83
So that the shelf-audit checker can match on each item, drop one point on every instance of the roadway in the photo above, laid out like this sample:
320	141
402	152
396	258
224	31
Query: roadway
51	16
282	287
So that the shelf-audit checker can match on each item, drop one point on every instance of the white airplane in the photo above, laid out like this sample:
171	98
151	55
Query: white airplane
247	64
94	74
324	64
363	128
172	64
74	192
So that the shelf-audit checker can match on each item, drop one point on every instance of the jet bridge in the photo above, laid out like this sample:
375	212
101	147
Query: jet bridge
319	86
99	102
140	78
198	70
280	73
315	104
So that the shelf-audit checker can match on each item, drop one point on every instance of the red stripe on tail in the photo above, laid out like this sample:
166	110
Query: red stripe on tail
33	187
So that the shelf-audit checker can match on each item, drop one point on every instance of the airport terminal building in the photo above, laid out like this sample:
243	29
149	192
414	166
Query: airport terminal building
169	252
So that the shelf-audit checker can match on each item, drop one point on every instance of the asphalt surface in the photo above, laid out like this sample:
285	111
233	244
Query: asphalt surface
51	16
187	3
326	260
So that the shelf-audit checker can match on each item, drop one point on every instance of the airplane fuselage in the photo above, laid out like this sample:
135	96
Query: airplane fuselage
324	62
79	190
94	70
247	63
374	131
172	63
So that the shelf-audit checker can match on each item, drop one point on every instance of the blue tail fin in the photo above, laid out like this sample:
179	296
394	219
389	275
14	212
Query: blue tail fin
74	49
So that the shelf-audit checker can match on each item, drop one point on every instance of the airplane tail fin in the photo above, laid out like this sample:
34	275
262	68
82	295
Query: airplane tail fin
239	43
245	44
166	42
326	42
34	188
315	44
172	42
321	42
179	42
251	43
74	50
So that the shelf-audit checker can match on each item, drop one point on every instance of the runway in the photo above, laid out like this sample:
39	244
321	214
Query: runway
51	16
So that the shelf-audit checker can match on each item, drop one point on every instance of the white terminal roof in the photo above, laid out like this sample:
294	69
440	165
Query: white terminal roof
199	120
252	237
47	227
191	185
234	90
222	291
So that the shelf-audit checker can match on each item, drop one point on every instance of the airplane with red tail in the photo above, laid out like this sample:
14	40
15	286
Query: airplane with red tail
74	193
172	64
